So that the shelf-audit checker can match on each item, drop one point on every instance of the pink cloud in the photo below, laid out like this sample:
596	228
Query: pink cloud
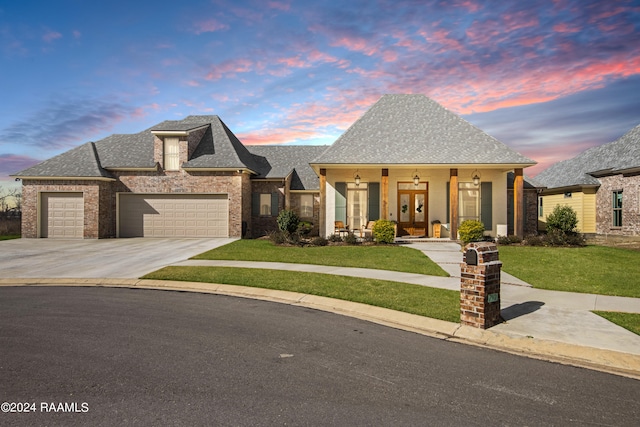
51	36
77	34
563	27
279	5
230	68
209	26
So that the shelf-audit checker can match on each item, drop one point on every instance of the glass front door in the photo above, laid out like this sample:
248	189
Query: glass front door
356	206
412	209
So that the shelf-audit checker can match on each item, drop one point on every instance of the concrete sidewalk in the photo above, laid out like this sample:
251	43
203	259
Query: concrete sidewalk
550	325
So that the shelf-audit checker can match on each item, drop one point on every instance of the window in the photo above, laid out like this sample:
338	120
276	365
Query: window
540	209
171	154
306	205
617	208
469	201
265	204
356	205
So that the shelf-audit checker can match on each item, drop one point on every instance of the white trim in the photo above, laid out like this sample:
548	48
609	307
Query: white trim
178	132
59	178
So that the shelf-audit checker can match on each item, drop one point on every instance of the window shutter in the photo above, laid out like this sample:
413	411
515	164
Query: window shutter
275	208
341	201
374	201
255	204
486	205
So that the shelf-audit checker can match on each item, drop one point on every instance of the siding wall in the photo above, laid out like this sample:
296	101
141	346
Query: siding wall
584	203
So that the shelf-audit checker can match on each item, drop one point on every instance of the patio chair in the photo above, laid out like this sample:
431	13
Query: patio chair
340	228
368	229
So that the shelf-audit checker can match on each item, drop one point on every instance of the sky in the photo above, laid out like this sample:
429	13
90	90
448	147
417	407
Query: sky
549	78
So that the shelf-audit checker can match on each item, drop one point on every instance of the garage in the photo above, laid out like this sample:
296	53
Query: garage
62	215
175	215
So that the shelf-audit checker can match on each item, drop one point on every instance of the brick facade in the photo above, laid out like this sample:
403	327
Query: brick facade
265	224
630	186
295	200
530	207
477	284
94	193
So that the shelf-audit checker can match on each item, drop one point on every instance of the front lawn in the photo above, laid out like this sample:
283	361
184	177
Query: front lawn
591	269
10	237
429	302
630	321
382	257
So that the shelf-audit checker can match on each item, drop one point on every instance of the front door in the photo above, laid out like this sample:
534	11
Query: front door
412	208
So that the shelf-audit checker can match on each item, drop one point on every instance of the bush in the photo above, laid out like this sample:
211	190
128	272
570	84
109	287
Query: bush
304	228
288	221
335	238
384	231
319	241
508	240
556	237
471	231
277	237
563	218
535	240
350	239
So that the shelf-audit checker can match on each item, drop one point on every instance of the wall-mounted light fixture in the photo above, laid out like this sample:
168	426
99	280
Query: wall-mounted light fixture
357	178
475	177
416	179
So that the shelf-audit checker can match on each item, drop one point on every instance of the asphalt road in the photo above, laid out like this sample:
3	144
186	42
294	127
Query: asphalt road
140	357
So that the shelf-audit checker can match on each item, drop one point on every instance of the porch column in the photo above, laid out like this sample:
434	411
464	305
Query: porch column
384	183
322	226
453	203
518	200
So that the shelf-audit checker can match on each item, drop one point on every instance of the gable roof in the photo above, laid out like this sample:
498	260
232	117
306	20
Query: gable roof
278	161
413	129
619	156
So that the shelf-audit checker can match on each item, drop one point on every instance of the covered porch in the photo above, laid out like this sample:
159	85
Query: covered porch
417	196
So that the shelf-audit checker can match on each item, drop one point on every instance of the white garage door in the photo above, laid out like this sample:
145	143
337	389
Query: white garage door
62	215
185	215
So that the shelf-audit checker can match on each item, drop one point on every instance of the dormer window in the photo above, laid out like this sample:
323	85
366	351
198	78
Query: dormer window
171	154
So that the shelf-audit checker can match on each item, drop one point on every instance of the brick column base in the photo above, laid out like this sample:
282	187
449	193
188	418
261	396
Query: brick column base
480	286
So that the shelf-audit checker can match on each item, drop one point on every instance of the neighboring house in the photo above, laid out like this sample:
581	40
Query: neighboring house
410	160
601	184
407	159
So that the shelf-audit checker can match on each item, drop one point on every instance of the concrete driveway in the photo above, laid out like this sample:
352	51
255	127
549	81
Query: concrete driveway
99	258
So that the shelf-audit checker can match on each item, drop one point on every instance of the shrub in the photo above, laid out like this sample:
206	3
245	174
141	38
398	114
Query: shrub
288	221
305	227
319	241
471	231
535	240
335	238
508	240
384	231
350	239
277	237
563	218
556	237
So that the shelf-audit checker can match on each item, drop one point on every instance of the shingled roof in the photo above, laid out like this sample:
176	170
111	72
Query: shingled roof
616	157
278	161
218	148
79	162
413	129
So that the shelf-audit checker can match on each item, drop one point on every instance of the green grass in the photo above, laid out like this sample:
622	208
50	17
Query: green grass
10	236
394	258
591	269
630	321
424	301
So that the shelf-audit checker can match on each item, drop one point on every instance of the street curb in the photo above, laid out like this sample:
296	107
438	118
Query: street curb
610	361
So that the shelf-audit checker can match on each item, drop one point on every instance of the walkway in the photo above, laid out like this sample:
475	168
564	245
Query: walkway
563	317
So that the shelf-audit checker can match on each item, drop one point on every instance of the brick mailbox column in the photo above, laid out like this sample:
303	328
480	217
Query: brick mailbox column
480	285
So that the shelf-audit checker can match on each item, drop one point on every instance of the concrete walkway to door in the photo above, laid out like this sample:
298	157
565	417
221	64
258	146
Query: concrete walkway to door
96	258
